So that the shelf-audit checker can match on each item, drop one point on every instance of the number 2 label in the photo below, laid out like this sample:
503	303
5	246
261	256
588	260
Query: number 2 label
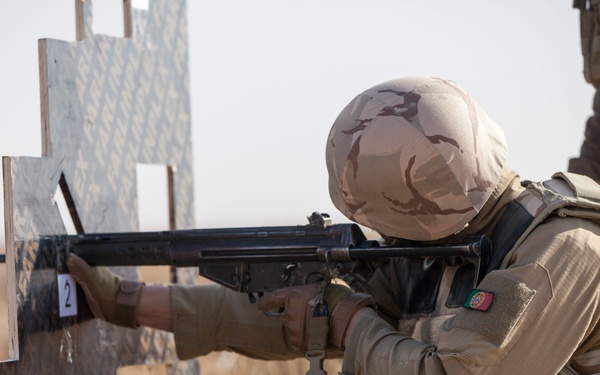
67	296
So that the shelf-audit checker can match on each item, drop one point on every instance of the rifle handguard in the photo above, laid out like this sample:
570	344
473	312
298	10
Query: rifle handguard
343	313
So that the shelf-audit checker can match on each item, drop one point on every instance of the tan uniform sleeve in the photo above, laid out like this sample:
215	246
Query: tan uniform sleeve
545	307
211	317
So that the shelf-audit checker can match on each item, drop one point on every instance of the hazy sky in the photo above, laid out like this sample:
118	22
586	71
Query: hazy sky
269	77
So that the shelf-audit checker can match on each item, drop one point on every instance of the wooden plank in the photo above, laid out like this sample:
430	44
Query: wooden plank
107	104
10	261
3	312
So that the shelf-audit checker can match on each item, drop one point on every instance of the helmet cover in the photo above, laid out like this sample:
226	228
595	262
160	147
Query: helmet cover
414	158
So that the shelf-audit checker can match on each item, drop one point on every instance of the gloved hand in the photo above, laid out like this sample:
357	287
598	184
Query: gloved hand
298	303
110	298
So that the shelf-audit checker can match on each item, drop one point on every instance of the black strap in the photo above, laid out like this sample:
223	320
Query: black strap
511	226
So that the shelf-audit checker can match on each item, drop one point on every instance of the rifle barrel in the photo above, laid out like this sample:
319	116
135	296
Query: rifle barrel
188	248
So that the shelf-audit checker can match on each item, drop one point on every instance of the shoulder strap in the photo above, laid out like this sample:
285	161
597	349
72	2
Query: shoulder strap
582	186
566	194
514	222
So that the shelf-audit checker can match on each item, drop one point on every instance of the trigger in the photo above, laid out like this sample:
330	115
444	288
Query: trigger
252	296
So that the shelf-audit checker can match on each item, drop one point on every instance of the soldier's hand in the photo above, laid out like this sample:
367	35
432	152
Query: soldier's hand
298	305
108	296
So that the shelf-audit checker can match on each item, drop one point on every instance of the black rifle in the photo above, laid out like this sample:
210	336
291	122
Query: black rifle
262	259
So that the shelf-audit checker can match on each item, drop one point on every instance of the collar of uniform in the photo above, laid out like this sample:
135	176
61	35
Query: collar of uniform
507	189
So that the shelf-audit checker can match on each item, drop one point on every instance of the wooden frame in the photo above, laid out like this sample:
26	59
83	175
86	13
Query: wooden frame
107	103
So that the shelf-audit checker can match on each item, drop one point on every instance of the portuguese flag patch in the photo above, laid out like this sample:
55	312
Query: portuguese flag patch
479	300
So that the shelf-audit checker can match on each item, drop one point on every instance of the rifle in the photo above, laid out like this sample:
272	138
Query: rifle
257	260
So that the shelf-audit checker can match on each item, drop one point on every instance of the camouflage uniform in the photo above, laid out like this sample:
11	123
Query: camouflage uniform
544	312
418	159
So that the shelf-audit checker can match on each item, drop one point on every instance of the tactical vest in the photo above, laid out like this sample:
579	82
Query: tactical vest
433	294
566	194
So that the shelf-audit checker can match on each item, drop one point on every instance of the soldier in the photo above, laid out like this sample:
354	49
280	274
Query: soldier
415	159
588	162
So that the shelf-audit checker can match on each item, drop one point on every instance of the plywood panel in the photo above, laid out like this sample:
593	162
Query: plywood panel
107	104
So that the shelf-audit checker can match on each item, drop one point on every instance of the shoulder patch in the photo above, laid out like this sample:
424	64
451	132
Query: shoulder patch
479	300
512	310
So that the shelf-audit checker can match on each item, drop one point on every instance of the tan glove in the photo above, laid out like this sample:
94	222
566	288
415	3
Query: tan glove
298	304
109	297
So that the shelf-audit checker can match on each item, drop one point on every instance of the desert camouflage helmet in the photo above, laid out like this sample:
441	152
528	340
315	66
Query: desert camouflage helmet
414	158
